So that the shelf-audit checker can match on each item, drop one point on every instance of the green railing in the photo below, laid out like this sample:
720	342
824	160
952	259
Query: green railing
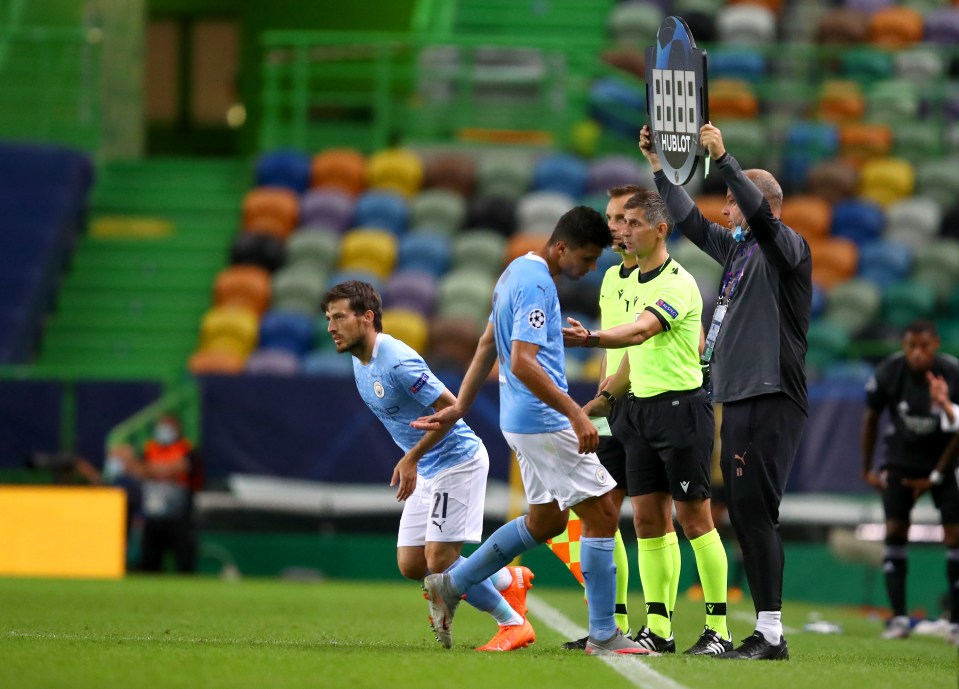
182	400
51	85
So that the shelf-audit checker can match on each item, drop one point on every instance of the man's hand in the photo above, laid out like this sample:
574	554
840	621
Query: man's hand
918	485
586	432
648	149
575	335
441	420
712	139
875	479
599	406
404	474
938	390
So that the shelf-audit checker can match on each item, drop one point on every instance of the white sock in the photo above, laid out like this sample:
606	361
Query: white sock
505	616
502	579
769	624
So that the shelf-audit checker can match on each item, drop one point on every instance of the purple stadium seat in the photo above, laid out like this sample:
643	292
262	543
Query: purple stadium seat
327	207
613	171
276	362
413	290
942	26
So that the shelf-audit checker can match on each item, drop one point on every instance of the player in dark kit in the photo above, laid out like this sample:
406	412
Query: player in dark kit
919	387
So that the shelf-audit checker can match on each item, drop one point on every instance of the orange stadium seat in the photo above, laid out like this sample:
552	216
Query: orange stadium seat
711	206
809	215
243	285
395	169
834	260
733	99
895	27
521	244
215	362
340	168
271	210
859	141
841	100
774	6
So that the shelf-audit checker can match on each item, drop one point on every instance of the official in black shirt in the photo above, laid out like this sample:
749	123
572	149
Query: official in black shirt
758	351
919	388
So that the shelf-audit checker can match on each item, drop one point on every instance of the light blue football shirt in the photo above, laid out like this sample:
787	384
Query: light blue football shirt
526	308
399	387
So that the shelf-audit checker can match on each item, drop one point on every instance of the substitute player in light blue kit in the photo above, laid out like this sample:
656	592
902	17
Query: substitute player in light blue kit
442	475
552	437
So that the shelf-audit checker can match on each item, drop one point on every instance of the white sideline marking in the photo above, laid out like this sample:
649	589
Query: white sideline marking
635	670
751	617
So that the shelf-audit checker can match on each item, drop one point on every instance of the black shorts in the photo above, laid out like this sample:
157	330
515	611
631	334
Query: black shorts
674	445
897	500
612	448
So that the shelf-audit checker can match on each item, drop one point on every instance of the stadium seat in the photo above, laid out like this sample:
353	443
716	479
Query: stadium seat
711	206
917	141
746	24
698	263
332	208
229	329
853	305
289	169
369	249
539	211
732	99
441	209
206	362
827	343
273	362
254	249
504	175
343	169
737	63
466	293
329	363
921	64
859	141
834	260
407	325
313	247
847	373
521	244
244	286
492	212
635	24
618	106
817	307
560	173
833	180
842	27
866	64
750	140
383	209
942	26
937	265
939	180
480	249
841	101
412	290
949	226
341	276
290	331
913	221
858	220
298	289
453	342
906	301
270	210
895	101
886	180
398	170
885	262
613	171
810	216
578	301
453	171
427	252
895	27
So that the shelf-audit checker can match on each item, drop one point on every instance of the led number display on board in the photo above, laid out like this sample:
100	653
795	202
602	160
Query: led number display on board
676	98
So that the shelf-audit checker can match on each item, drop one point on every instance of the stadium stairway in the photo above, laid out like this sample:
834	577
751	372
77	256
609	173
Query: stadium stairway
141	277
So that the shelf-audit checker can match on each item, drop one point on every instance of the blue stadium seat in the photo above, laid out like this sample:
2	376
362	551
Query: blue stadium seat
383	209
565	174
288	331
426	252
290	169
618	106
860	221
884	262
737	63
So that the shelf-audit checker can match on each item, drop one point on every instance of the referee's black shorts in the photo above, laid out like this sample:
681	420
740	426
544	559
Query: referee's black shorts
674	444
898	500
613	449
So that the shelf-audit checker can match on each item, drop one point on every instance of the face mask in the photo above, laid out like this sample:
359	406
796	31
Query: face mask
112	469
739	234
165	434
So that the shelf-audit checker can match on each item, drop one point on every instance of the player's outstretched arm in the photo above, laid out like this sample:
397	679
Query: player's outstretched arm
476	375
615	386
404	474
625	335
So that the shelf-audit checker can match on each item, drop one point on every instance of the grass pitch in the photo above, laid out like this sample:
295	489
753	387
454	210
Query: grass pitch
199	633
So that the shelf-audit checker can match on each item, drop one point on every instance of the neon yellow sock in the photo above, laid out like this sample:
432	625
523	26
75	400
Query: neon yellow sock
713	569
622	582
655	571
673	541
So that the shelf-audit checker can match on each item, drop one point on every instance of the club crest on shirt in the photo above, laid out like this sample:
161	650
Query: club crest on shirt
378	389
537	318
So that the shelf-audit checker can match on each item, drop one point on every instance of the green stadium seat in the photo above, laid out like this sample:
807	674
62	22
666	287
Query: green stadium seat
440	209
827	344
939	180
937	265
298	289
905	301
853	305
316	248
505	175
701	266
635	24
892	100
917	140
480	249
466	293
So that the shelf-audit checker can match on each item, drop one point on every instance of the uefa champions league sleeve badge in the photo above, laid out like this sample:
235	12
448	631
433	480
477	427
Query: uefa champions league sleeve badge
676	99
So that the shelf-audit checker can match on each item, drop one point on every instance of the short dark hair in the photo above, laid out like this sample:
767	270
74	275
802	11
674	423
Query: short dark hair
920	326
362	297
653	207
580	226
624	190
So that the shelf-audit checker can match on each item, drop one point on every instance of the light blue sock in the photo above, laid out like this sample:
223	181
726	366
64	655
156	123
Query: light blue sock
508	541
486	597
599	573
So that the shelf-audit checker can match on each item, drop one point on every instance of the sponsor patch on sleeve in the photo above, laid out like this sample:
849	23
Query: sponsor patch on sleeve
420	382
665	306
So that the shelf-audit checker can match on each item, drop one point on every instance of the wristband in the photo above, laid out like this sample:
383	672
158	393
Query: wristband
935	478
609	397
592	339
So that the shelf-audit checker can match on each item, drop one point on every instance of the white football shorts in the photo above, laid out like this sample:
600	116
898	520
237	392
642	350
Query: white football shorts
553	468
447	508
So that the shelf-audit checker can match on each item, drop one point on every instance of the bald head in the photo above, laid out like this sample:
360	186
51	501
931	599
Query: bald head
768	187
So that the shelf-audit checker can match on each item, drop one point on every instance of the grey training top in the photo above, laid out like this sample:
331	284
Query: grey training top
761	348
